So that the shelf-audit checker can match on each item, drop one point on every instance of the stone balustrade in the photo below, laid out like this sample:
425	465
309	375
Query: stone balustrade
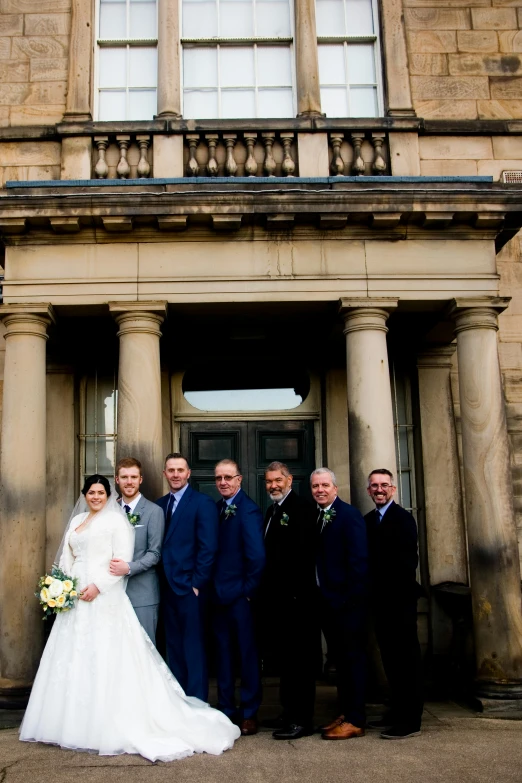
242	154
357	153
122	156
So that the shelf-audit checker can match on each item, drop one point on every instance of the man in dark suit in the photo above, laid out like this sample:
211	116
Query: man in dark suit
392	539
342	578
290	633
149	524
239	564
188	555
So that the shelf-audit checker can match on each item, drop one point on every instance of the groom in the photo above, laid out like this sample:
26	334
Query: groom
188	554
143	584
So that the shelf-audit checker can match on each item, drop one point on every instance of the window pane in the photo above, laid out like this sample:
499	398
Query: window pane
330	18
142	22
331	65
99	456
238	103
200	104
236	19
363	102
112	106
113	22
200	68
275	103
143	66
142	104
237	68
273	19
334	101
199	19
273	66
359	18
405	489
244	400
113	67
361	64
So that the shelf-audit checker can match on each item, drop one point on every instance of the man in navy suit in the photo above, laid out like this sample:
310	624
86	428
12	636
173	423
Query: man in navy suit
239	564
342	578
188	555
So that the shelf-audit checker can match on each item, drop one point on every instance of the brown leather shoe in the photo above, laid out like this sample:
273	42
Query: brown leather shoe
343	731
249	727
333	724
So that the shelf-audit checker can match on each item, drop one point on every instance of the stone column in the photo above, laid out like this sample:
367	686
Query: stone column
492	540
370	415
307	63
444	511
78	102
22	496
398	91
169	70
139	389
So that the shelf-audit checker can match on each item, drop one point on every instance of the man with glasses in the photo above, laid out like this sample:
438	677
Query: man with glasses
392	542
237	573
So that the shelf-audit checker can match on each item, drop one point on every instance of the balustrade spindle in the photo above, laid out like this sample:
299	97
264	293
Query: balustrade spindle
192	165
250	163
230	163
337	164
101	168
123	168
143	165
269	164
379	164
212	165
358	166
288	165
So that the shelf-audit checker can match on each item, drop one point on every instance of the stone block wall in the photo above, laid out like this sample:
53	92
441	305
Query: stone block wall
465	58
34	47
469	155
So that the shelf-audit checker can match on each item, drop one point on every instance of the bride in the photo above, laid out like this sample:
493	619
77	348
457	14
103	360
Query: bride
101	685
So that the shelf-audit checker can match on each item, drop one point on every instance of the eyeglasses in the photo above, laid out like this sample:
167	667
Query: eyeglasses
226	478
380	486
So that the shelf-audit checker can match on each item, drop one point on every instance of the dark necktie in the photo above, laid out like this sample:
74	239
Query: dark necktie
222	513
320	520
170	507
275	509
378	518
126	509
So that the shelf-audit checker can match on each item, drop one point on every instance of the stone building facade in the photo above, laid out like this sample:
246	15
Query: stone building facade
337	283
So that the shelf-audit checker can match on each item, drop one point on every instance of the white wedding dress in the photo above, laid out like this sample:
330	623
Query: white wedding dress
101	685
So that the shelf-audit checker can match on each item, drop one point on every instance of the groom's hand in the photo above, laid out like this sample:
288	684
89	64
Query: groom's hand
119	567
89	593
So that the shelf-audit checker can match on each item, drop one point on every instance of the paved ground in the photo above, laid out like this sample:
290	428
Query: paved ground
456	745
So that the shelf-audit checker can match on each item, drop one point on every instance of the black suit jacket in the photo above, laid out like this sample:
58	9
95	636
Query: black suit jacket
289	544
393	555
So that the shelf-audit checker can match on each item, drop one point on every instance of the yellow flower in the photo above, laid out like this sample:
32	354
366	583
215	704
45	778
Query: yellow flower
68	585
44	594
66	609
48	580
60	600
52	603
73	594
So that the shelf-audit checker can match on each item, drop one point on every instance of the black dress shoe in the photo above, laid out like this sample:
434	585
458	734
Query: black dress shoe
401	732
276	723
293	732
382	725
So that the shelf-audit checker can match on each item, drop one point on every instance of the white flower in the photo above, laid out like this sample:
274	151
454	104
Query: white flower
44	594
55	588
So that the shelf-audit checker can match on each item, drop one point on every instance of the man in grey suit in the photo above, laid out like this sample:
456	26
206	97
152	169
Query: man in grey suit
149	524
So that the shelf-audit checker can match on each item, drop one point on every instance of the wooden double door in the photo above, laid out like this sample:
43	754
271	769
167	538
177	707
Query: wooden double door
253	445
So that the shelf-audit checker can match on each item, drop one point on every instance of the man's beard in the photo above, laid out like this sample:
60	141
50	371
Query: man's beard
274	497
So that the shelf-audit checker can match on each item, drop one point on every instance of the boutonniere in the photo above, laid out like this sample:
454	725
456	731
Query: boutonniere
230	511
329	515
133	518
285	519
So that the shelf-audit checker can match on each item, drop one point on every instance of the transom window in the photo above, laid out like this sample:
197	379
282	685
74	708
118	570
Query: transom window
349	58
127	60
237	59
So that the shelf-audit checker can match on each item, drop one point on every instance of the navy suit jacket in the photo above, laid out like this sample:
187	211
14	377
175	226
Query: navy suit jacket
342	558
190	543
241	551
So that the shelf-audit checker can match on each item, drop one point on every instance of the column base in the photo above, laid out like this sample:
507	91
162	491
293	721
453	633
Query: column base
498	690
503	709
14	697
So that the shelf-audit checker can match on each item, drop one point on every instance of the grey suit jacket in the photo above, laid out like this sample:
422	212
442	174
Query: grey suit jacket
143	583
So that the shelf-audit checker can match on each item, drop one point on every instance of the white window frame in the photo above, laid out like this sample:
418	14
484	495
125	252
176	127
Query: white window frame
126	43
375	39
255	42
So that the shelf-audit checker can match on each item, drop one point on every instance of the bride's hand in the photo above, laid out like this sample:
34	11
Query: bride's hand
89	593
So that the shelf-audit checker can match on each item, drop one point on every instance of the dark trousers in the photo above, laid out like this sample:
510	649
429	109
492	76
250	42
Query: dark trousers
345	632
185	637
291	639
233	627
396	631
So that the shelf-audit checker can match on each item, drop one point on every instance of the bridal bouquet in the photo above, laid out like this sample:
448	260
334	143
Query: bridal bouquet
56	592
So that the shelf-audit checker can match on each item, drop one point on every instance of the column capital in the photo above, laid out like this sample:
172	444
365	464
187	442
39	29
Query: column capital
479	312
144	317
366	313
436	356
27	318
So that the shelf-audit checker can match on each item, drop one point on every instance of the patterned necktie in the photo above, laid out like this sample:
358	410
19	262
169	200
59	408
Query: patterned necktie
170	509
